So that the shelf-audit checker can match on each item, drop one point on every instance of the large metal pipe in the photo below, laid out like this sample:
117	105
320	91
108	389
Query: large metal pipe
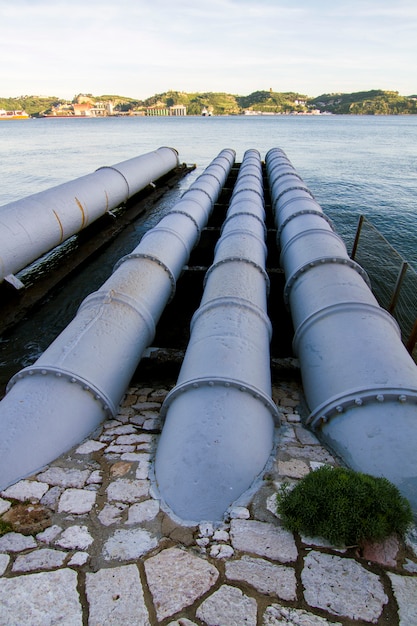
34	225
80	379
218	430
359	380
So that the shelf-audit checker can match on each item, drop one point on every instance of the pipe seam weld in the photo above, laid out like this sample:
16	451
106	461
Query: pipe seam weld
359	397
86	385
248	213
110	297
343	307
317	212
240	303
324	260
212	381
240	259
155	259
111	167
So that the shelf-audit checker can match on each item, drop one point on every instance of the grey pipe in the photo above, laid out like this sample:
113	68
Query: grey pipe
34	225
218	431
359	380
80	379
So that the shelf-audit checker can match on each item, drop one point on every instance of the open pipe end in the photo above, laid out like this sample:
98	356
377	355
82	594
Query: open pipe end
378	439
214	445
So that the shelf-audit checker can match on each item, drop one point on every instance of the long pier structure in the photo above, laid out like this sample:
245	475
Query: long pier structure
281	270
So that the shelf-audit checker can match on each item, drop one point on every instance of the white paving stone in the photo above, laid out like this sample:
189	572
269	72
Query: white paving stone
75	538
239	512
121	430
228	606
78	559
125	490
43	599
88	447
78	501
405	591
342	587
64	477
96	478
293	468
277	615
111	513
263	539
177	579
31	490
45	558
183	621
411	539
143	512
266	577
49	534
115	597
4	561
15	542
126	545
221	551
4	506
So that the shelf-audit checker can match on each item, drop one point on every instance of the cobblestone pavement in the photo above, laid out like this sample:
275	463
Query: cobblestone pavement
88	544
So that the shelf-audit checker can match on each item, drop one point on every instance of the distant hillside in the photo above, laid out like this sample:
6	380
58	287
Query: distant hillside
374	102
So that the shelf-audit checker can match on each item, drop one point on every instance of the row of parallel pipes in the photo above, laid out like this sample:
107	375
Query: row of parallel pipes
80	379
359	381
219	427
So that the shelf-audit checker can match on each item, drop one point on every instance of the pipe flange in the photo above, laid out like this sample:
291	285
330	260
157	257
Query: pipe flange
50	370
248	213
195	188
323	261
294	188
304	212
307	198
241	303
272	181
194	221
213	381
232	259
355	399
150	257
258	193
110	167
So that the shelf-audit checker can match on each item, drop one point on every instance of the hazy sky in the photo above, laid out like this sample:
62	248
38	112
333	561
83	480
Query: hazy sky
138	48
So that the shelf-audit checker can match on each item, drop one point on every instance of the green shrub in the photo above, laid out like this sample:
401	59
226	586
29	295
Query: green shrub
343	506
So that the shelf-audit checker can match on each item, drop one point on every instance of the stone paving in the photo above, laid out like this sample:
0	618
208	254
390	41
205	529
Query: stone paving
86	543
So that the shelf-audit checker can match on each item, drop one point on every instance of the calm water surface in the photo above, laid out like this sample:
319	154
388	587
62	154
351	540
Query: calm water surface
353	165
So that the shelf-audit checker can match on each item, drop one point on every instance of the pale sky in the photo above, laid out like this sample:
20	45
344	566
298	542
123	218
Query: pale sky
137	48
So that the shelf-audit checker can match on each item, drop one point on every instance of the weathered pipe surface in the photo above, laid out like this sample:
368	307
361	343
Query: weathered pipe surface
219	426
34	225
359	380
82	376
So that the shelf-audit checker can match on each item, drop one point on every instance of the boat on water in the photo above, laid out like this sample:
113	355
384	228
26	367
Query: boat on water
13	115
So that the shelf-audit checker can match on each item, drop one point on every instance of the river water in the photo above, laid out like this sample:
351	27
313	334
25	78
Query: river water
353	164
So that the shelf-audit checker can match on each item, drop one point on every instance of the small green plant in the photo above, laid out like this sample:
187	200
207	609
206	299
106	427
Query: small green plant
345	507
5	527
